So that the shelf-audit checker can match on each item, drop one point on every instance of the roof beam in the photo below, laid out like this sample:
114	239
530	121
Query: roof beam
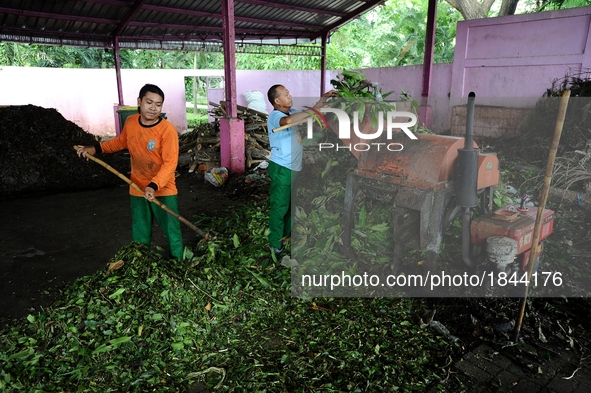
120	3
75	18
369	4
202	22
172	10
132	11
103	21
292	7
107	40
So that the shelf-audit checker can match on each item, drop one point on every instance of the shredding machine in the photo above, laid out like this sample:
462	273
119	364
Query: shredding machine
431	182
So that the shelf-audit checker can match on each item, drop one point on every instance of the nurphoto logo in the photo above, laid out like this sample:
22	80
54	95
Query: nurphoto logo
392	123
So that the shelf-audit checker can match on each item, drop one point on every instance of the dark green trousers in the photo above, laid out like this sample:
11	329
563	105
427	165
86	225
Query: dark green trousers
280	222
142	218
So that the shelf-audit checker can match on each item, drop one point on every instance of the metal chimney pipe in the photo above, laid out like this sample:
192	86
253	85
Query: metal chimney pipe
469	139
467	180
467	164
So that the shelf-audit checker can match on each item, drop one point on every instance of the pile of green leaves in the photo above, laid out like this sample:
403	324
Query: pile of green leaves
223	317
357	94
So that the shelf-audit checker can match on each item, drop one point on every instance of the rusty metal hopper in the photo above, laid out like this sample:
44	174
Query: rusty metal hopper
428	162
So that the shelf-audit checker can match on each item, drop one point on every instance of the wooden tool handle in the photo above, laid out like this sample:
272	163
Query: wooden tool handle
156	201
295	123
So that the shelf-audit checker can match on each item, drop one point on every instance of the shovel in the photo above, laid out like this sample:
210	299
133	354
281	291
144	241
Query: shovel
156	201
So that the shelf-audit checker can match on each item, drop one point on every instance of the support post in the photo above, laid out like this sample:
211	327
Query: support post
232	145
118	71
425	110
323	64
231	128
194	84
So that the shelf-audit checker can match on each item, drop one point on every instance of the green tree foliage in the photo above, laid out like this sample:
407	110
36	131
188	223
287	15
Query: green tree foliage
392	34
478	9
551	5
397	32
249	61
13	54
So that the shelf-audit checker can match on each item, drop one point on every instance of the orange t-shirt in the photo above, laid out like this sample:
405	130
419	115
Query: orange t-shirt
154	152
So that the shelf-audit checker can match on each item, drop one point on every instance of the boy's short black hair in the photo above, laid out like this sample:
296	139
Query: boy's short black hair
152	89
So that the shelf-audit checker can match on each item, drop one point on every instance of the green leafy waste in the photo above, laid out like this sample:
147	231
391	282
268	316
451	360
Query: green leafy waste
162	325
357	94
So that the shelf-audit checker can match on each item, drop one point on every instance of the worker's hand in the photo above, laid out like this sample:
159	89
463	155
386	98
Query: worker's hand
84	150
332	93
325	97
149	194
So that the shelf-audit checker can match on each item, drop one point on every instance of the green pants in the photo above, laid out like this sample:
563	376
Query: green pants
280	223
142	217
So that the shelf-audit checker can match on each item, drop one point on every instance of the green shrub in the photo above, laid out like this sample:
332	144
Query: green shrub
194	120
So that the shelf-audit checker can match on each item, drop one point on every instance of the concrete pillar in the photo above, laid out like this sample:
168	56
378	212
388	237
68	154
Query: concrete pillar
231	128
232	138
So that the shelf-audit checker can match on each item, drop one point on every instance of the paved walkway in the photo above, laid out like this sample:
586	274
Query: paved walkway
511	370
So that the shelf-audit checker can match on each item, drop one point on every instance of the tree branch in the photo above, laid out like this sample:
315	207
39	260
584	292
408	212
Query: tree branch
508	7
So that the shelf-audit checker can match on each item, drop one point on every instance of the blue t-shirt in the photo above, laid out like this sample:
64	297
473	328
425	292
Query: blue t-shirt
286	146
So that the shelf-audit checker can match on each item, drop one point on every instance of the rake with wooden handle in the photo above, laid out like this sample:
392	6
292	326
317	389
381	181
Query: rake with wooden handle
156	201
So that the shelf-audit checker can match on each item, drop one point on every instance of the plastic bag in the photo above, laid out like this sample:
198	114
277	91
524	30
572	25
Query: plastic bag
216	176
256	100
262	165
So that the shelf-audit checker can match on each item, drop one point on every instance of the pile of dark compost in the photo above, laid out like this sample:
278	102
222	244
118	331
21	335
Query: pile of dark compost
38	155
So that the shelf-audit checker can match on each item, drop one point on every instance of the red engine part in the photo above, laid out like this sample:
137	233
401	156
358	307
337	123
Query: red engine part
522	260
517	224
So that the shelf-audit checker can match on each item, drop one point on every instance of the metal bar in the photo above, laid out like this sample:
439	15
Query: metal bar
120	3
429	48
469	138
75	18
247	34
213	28
323	64
293	7
148	42
220	16
350	16
132	11
104	21
153	44
118	72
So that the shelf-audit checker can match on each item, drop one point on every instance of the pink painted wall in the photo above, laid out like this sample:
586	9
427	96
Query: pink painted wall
508	61
409	79
301	84
87	96
517	57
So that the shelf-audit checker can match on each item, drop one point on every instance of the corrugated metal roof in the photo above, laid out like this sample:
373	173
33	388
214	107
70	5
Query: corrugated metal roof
172	24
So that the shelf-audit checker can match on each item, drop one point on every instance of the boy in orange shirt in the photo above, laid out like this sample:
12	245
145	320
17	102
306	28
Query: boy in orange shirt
153	146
